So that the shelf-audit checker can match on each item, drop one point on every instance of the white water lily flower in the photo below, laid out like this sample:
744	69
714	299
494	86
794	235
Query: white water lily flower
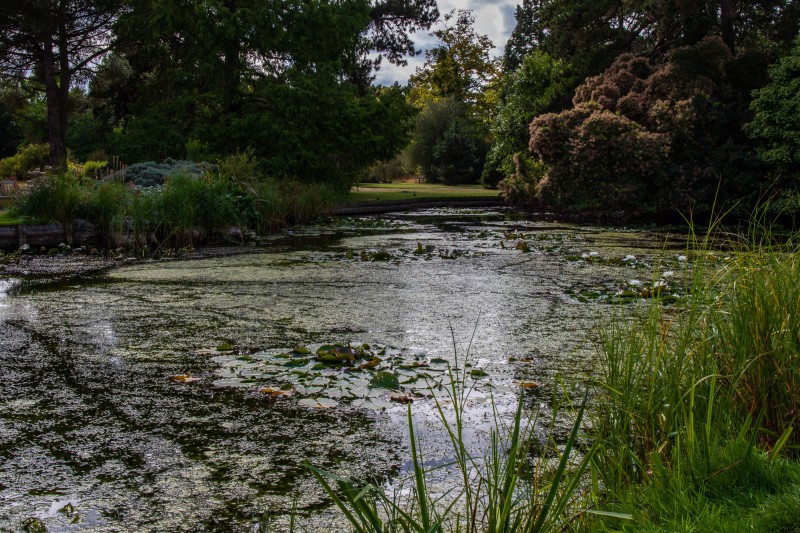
628	258
660	283
585	256
593	254
668	274
682	258
634	283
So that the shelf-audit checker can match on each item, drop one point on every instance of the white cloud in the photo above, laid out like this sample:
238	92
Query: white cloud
494	18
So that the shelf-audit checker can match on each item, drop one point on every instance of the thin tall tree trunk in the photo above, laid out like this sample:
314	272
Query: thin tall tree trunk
726	21
55	131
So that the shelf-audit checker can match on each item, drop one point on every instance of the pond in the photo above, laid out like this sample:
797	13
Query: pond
187	395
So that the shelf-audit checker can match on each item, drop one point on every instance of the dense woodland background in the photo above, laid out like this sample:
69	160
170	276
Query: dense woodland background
635	105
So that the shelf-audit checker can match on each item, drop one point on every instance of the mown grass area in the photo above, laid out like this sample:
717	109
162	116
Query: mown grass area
377	192
7	218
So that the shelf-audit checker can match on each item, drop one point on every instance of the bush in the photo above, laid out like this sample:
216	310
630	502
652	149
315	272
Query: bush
93	168
776	124
54	199
650	137
30	157
388	171
152	174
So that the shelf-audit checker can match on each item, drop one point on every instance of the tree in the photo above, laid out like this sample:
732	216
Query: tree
535	87
458	67
650	137
590	34
54	42
525	37
290	80
776	124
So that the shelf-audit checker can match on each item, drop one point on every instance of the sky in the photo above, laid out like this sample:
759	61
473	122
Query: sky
494	18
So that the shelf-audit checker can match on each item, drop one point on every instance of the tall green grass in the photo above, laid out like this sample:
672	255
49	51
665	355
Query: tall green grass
694	400
170	216
505	490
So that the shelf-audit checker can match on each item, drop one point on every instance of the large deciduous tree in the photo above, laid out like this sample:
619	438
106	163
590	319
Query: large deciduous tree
53	43
650	137
776	125
458	66
290	79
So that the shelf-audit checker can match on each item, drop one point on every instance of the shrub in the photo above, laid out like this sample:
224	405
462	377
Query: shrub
54	199
151	174
650	136
28	158
776	124
93	168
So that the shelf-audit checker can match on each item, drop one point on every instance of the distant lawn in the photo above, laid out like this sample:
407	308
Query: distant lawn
7	219
372	192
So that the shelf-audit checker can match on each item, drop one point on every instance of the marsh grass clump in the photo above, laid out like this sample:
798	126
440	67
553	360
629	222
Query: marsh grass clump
697	405
174	204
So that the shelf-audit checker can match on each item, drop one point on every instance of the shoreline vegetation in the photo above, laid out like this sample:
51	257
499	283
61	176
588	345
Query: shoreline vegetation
691	426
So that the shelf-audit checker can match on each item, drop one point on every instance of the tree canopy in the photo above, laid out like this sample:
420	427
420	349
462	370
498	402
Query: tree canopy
51	43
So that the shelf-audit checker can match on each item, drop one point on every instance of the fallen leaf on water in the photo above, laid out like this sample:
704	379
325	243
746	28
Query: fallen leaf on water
528	384
274	393
400	397
184	378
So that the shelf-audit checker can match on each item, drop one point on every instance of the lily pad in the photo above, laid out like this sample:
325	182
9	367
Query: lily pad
385	380
318	403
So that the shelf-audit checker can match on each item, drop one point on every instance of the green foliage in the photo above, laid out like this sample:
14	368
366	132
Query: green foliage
520	189
290	202
151	174
458	154
10	134
777	118
56	198
458	67
194	204
696	407
387	171
447	144
28	158
299	98
106	206
530	90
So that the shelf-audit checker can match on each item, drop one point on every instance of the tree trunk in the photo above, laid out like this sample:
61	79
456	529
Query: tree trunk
55	130
726	21
232	66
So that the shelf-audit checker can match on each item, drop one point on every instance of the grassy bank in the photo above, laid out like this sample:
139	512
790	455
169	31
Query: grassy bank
692	421
696	410
10	218
375	192
214	206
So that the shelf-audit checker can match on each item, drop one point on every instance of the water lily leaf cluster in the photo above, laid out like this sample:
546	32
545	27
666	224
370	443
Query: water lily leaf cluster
327	375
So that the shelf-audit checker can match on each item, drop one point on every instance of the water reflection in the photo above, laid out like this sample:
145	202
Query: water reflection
88	414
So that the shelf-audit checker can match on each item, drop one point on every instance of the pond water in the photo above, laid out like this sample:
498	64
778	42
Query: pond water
187	395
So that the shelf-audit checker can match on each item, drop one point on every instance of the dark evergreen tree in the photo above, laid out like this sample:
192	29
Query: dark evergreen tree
53	42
